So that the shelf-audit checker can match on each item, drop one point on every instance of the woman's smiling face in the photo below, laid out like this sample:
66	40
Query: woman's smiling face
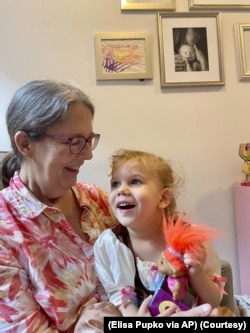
52	169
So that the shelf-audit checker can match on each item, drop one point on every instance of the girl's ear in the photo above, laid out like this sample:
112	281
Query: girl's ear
166	197
23	142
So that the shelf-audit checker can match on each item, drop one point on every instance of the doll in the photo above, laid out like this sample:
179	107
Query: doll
181	237
244	152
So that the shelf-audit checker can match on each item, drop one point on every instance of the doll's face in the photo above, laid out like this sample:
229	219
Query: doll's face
166	268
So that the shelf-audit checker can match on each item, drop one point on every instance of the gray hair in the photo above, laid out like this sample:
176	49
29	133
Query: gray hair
38	105
41	104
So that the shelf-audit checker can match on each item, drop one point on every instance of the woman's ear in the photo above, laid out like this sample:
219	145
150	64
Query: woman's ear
166	197
22	142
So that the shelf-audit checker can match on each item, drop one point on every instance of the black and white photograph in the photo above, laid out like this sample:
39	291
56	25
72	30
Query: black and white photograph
190	49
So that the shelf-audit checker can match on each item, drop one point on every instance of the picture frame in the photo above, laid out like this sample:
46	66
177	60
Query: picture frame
242	33
123	56
158	5
218	4
207	68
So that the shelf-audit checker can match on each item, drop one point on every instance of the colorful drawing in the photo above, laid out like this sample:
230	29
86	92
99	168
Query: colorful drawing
123	56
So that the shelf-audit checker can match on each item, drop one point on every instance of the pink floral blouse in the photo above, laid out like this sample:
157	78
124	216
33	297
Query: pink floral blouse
46	270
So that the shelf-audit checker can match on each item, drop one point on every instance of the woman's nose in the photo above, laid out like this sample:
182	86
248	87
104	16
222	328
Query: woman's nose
87	153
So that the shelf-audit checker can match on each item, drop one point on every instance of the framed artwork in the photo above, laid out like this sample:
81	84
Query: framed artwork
242	32
190	49
219	4
123	56
168	5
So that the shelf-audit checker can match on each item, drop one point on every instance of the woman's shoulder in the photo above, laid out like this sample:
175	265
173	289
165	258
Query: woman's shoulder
90	192
89	188
94	201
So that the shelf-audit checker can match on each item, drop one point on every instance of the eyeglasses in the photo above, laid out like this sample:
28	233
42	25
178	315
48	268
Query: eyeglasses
77	143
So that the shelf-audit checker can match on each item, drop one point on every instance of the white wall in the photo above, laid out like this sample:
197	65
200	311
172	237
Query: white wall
200	128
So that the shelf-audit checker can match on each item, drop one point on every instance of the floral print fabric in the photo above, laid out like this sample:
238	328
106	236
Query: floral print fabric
46	271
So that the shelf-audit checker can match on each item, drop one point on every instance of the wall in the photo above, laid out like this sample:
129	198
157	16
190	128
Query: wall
199	128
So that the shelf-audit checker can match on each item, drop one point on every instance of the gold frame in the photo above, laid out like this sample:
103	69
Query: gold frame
224	4
243	50
126	5
169	78
133	62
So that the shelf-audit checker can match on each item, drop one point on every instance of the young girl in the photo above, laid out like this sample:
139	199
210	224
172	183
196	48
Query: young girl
141	197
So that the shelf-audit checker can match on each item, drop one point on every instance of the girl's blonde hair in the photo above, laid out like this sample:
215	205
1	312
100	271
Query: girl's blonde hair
155	166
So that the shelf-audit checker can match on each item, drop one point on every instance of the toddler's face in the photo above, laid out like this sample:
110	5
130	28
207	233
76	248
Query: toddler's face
187	52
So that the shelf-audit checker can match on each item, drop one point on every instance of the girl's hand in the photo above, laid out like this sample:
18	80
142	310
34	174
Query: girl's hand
192	265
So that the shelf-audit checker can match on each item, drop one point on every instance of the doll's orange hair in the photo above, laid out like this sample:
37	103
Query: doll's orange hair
183	237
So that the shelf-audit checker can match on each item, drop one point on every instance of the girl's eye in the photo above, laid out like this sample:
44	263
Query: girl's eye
136	181
114	185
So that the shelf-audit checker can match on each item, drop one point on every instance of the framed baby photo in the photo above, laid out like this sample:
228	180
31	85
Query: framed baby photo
242	33
190	49
123	56
138	5
218	4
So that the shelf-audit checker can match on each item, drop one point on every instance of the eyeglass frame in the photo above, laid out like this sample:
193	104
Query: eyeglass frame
69	139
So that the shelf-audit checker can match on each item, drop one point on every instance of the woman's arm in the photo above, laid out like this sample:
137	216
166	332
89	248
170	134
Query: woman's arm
201	58
19	311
